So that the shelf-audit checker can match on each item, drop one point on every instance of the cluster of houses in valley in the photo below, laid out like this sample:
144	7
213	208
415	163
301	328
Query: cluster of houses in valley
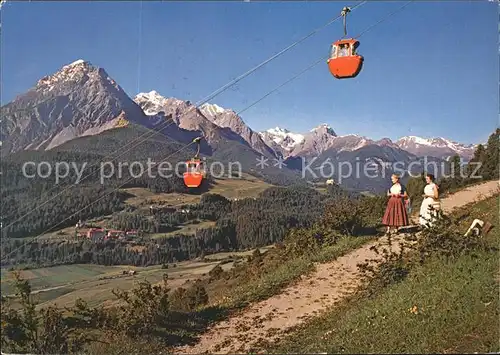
98	235
101	234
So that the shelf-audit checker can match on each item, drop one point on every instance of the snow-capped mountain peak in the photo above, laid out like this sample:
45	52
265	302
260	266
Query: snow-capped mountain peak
282	137
407	140
278	131
211	119
211	109
323	138
77	62
317	140
153	96
349	135
326	125
72	72
434	146
432	142
324	128
77	100
153	102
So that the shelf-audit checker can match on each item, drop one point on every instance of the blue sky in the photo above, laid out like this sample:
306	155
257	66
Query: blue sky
430	70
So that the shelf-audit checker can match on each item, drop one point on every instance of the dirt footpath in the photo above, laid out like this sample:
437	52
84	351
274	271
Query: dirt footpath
329	284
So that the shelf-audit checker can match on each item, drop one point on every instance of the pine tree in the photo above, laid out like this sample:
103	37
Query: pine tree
491	160
478	158
479	153
456	169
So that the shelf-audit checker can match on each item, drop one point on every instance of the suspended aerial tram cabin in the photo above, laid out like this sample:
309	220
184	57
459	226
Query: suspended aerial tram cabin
195	171
344	62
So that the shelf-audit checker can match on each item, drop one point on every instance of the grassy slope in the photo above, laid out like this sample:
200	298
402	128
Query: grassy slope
94	284
228	296
246	186
457	309
231	294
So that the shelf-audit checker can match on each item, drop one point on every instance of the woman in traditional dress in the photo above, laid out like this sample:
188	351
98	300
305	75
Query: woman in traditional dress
430	204
395	214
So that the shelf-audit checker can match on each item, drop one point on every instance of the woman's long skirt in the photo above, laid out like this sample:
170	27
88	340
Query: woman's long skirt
427	214
395	213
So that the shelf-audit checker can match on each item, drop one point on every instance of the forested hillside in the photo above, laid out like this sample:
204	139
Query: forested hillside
241	224
35	205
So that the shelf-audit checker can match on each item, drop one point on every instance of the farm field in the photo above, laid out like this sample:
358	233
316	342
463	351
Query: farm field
247	186
186	229
62	285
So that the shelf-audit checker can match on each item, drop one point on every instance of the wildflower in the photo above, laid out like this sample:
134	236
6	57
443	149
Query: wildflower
327	334
413	309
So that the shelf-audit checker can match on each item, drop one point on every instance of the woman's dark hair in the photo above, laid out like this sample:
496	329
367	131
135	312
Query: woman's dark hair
431	177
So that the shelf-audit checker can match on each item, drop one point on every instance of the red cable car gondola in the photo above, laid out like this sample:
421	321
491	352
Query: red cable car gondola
195	173
344	62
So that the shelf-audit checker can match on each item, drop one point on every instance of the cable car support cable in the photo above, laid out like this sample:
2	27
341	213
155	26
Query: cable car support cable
344	12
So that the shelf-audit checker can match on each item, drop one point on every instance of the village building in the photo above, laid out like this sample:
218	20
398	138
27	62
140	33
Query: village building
115	234
95	234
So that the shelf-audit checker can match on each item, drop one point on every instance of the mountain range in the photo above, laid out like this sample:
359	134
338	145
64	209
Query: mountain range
324	137
82	100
